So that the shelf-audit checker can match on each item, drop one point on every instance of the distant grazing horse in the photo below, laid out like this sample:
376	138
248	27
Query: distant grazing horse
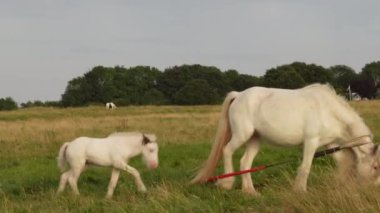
114	151
110	106
312	116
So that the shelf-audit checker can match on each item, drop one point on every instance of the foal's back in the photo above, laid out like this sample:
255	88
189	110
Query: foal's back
100	151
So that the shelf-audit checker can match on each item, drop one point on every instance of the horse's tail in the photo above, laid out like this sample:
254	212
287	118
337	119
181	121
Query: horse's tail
61	156
223	135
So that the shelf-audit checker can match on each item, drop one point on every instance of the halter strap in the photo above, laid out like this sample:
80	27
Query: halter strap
353	142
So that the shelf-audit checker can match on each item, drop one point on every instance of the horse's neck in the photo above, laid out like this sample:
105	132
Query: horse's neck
352	124
358	129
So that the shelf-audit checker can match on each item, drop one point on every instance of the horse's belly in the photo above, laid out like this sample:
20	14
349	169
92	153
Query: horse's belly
282	127
280	136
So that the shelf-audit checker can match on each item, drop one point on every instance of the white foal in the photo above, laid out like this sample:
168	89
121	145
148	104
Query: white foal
312	116
113	151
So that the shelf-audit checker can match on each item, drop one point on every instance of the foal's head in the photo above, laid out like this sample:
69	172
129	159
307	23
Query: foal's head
150	151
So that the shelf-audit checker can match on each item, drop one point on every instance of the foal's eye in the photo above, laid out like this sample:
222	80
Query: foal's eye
375	167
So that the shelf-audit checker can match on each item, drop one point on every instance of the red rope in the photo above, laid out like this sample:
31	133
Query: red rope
255	169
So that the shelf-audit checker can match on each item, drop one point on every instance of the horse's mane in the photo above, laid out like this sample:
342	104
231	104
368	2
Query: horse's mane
327	88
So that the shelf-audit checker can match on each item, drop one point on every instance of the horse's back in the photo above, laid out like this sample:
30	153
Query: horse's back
287	115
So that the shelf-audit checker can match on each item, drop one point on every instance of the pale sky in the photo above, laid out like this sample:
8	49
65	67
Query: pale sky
46	43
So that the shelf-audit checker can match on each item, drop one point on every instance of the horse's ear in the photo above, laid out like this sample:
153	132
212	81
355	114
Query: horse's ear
375	149
145	140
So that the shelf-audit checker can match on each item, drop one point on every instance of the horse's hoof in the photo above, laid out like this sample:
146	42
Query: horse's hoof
251	192
225	184
143	190
300	189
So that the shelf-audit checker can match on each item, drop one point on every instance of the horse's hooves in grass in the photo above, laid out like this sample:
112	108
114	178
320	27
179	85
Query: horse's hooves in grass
251	192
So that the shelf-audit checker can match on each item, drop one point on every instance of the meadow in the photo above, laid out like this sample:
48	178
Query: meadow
30	140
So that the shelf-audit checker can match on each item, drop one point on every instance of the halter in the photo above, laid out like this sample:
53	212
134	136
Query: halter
350	144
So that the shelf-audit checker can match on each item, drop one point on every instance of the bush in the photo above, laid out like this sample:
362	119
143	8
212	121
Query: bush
7	104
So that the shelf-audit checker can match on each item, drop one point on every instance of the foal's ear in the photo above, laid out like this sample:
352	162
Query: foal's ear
145	140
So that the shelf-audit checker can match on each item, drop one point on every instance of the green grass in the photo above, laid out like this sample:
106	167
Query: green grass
30	139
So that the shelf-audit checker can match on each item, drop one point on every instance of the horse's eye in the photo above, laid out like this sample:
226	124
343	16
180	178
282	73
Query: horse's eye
375	167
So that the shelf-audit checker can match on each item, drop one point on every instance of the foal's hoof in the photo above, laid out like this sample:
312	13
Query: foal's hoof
225	183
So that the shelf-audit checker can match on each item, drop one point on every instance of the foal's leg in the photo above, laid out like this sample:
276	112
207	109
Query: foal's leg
310	146
246	163
140	185
113	181
73	178
63	181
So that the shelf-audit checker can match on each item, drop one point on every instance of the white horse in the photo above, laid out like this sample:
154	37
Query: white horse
110	105
114	151
313	116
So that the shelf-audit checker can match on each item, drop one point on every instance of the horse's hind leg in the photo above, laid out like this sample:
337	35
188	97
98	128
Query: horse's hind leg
236	141
246	163
113	181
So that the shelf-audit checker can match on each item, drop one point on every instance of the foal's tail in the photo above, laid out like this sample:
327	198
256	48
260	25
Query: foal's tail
223	135
61	156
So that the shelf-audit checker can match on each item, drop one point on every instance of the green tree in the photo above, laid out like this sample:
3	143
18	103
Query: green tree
196	92
99	85
371	71
342	77
131	84
7	104
283	77
312	73
153	97
75	93
175	78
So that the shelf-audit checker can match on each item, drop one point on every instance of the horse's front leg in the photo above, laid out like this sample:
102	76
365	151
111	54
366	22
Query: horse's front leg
345	160
310	146
113	181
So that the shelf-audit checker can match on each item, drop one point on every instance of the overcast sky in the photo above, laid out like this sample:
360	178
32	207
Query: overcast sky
46	43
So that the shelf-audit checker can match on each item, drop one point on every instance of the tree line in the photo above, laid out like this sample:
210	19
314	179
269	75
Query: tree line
197	84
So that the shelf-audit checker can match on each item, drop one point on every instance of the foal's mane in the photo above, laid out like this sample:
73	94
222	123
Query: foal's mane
151	137
125	133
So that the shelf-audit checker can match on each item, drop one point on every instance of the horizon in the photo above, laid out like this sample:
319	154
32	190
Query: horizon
47	43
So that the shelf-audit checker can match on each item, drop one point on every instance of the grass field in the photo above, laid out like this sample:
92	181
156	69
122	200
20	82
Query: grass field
30	139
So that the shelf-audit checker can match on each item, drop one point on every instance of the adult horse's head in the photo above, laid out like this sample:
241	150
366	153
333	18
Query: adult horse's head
150	151
368	166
